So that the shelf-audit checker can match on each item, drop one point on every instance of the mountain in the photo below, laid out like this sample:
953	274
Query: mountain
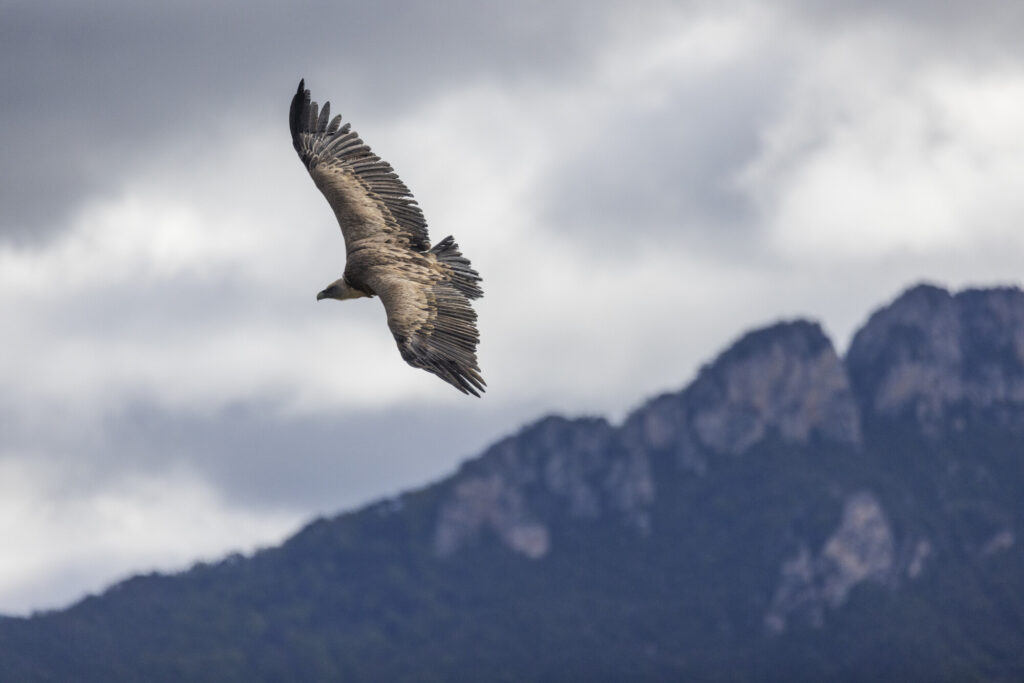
790	515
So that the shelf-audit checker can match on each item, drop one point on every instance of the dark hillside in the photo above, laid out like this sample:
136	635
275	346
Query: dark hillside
787	516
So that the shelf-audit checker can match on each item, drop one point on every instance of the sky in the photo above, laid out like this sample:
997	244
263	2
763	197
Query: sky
638	184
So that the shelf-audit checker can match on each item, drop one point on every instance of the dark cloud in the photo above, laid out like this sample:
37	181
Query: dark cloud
257	458
88	91
670	171
324	462
955	30
185	303
992	14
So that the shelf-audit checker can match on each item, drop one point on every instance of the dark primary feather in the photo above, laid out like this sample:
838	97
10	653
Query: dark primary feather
463	277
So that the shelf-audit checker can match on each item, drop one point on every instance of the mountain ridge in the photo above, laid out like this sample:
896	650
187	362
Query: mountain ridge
787	512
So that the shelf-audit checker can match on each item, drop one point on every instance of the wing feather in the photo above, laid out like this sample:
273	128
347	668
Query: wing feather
325	117
368	197
433	324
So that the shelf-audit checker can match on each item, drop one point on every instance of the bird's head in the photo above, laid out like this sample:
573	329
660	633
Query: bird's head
340	289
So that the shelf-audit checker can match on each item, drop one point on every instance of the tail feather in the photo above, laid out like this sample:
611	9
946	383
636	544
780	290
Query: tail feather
463	277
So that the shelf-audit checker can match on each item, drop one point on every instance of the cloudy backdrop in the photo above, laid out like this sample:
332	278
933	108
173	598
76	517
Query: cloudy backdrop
638	183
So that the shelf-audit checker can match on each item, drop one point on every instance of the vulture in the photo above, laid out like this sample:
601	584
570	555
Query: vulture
426	290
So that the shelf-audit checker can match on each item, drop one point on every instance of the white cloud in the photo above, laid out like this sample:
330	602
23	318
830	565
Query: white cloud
60	542
881	153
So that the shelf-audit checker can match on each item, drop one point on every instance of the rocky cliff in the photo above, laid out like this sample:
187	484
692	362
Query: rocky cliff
929	358
784	382
940	358
555	460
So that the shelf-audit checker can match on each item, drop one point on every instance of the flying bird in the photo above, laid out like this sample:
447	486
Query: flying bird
426	290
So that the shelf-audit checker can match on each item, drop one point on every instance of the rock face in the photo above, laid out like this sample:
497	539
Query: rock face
574	462
863	548
931	356
785	380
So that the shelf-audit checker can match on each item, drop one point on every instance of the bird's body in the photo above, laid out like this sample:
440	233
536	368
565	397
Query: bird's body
426	291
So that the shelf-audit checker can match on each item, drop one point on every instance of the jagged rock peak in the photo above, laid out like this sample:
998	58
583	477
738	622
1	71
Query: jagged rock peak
577	464
785	380
931	354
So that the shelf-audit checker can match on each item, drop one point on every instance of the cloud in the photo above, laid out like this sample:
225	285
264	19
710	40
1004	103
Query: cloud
902	159
94	89
986	27
85	500
637	184
70	541
664	124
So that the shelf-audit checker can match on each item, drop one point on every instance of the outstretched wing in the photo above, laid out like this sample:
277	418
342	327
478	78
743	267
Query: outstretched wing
432	321
368	198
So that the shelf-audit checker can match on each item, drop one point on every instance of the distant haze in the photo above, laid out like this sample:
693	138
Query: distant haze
637	183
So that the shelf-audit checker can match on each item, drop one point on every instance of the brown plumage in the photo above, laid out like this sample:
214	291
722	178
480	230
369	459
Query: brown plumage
425	290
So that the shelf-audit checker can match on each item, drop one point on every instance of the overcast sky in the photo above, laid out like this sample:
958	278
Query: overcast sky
638	184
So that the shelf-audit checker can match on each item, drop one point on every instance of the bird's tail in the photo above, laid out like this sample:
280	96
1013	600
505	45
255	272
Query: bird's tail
463	277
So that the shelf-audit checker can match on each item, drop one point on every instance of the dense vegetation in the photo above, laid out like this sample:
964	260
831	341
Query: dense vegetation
363	596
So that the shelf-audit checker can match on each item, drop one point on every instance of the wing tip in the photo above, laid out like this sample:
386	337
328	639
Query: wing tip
471	382
465	379
468	386
300	105
305	116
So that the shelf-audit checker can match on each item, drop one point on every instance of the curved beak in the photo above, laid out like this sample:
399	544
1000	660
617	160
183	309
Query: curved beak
321	295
